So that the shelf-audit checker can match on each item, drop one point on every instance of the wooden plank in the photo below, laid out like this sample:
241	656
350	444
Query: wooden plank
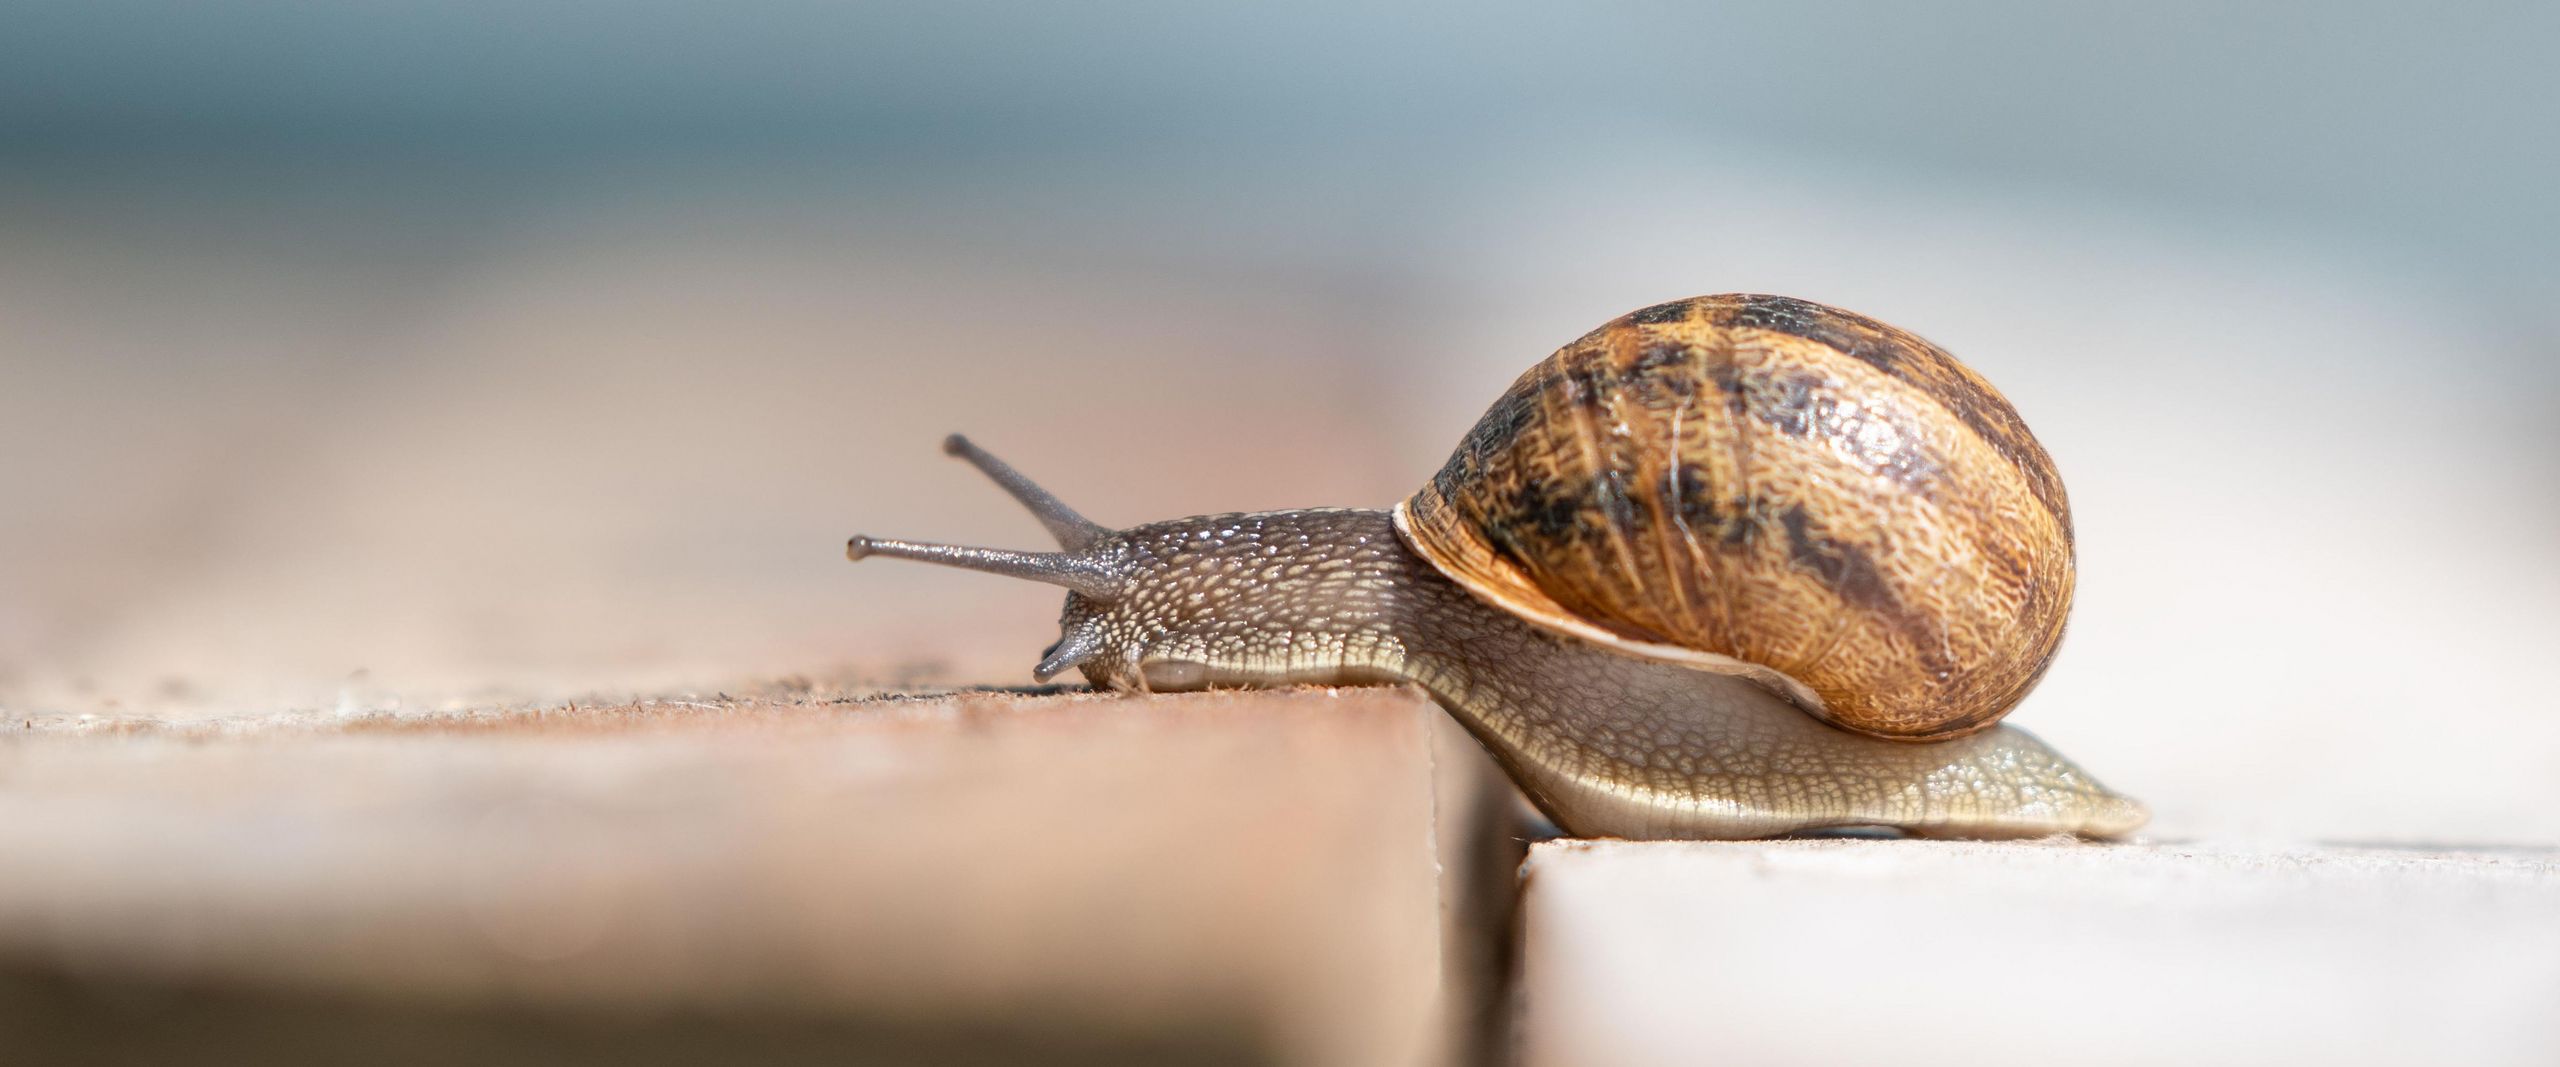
1226	877
1914	952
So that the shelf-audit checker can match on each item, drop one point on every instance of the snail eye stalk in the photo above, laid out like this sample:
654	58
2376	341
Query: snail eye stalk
1082	573
1074	532
1077	568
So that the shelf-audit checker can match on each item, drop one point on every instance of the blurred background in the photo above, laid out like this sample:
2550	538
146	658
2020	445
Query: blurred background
397	356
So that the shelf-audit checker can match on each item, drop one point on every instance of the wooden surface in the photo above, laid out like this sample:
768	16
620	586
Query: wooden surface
1978	954
1285	878
1310	876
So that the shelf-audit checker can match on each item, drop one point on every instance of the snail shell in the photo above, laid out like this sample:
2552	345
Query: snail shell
1769	487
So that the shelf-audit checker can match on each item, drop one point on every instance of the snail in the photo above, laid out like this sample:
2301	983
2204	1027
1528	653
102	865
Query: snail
1728	567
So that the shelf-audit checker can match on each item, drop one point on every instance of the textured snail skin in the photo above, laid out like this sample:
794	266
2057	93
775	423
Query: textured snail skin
1605	743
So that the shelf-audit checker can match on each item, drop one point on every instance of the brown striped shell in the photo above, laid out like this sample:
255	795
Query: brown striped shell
1770	487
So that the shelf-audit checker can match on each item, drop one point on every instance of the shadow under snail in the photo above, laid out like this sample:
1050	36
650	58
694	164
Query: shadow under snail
1725	567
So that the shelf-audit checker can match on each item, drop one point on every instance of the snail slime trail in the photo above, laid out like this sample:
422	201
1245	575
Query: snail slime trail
1724	567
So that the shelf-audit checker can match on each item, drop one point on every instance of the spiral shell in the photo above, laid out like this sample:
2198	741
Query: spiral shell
1770	487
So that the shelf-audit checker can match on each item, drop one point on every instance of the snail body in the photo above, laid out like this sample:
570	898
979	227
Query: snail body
1727	567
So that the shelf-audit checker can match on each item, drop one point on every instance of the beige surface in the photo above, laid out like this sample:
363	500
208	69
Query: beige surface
1824	952
1272	878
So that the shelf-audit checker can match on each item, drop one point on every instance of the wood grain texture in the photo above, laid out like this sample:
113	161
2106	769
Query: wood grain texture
1266	878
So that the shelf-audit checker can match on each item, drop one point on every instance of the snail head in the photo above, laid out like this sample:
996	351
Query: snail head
1208	600
1088	565
1165	605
